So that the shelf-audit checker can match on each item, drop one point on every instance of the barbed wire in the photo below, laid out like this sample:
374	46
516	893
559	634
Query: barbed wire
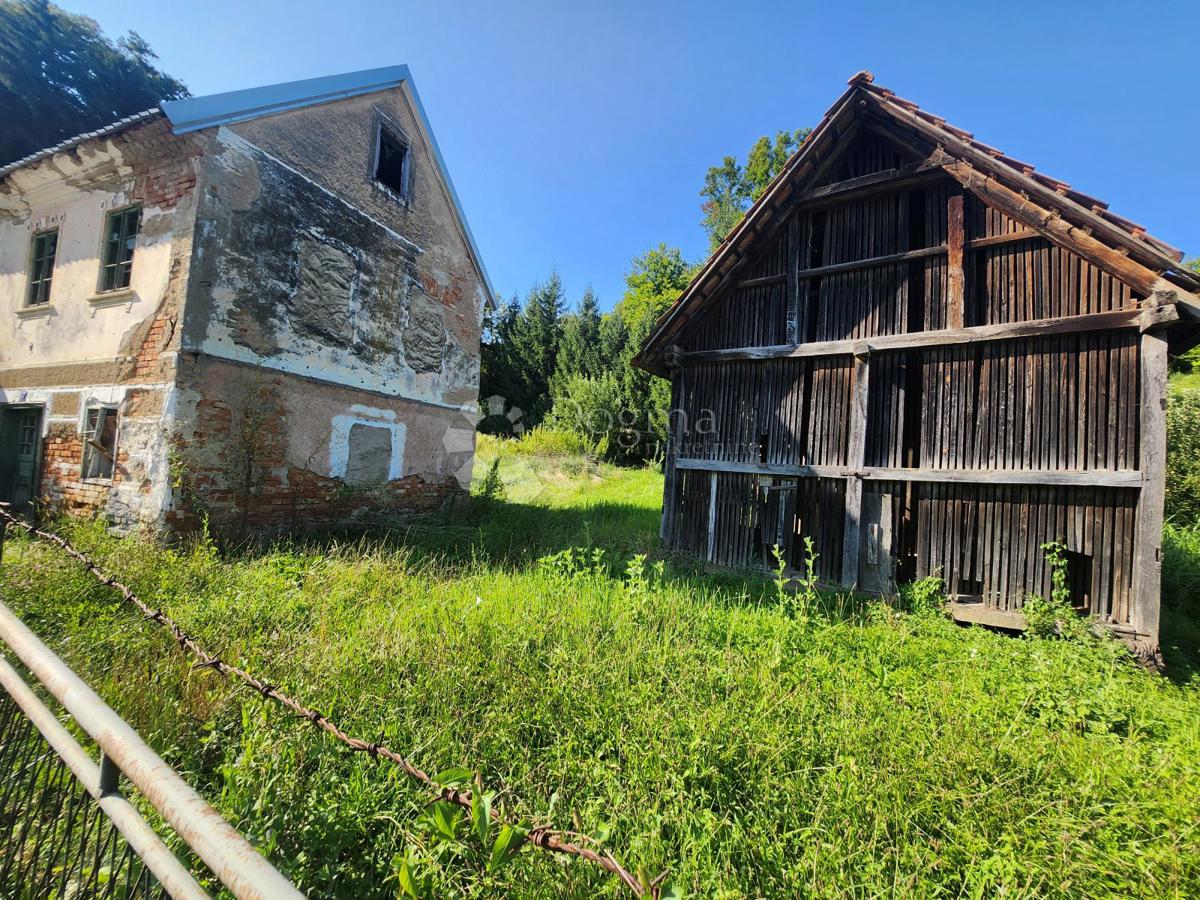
541	836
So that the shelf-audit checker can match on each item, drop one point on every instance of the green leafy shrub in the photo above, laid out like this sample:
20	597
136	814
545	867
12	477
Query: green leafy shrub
1055	617
553	442
491	489
1181	567
591	408
926	596
1183	456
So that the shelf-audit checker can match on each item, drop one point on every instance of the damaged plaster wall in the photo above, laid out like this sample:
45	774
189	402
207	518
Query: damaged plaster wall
289	276
333	145
335	302
74	196
85	346
266	450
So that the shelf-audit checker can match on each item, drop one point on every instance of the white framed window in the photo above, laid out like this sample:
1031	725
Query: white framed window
41	267
121	229
99	441
367	447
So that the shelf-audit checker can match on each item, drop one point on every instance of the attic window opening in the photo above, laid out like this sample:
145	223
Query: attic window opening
392	162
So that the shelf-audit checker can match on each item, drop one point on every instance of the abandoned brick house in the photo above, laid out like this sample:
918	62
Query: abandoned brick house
929	359
263	306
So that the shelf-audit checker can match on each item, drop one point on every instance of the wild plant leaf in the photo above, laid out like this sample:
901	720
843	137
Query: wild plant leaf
404	875
453	777
481	816
446	817
508	842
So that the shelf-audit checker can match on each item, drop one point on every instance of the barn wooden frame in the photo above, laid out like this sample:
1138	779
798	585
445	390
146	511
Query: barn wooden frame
927	358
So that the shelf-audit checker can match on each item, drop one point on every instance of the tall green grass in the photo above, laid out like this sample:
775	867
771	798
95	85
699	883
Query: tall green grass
693	719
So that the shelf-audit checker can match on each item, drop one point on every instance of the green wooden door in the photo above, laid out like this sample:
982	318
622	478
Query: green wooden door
20	443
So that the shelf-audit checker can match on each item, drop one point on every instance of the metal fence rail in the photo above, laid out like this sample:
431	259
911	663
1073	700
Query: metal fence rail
65	828
59	842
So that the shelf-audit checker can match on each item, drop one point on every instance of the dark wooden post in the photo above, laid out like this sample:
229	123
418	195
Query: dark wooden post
1152	461
3	528
855	456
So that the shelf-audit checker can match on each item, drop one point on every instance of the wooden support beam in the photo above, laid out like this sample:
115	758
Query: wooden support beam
855	455
1160	309
1123	478
793	281
1123	318
1054	226
928	169
752	468
765	279
1152	460
1012	237
955	278
1130	478
870	262
978	613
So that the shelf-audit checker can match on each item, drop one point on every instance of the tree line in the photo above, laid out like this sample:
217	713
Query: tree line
571	366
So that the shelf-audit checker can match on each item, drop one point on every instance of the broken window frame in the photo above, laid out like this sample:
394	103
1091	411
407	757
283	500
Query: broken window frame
43	247
121	229
99	461
385	132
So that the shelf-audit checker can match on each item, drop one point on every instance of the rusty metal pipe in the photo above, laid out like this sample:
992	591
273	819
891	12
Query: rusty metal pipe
238	865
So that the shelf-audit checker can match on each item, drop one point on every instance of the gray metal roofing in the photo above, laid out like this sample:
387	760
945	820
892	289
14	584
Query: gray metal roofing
212	110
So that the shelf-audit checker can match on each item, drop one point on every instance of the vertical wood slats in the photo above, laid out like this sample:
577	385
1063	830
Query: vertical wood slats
1062	402
988	540
852	532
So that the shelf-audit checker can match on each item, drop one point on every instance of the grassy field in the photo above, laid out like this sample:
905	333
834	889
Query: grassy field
755	748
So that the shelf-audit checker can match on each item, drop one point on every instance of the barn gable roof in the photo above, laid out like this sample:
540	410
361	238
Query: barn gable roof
1052	207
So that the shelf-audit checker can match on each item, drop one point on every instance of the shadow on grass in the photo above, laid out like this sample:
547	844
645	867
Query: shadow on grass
504	534
514	535
1180	642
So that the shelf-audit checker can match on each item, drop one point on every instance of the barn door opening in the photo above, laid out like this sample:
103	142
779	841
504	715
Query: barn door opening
914	405
20	453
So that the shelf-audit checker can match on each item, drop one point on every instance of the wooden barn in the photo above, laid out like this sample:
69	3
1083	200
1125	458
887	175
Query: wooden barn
929	358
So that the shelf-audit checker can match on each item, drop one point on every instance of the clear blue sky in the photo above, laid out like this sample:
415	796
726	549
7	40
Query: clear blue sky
578	134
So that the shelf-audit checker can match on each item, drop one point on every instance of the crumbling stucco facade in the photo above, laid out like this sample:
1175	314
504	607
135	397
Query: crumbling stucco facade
297	342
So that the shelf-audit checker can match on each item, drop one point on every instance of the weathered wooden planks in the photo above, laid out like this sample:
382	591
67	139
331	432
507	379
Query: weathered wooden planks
907	346
1105	321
